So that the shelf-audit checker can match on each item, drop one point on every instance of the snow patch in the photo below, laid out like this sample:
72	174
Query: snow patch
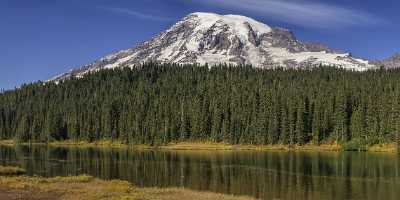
236	23
341	60
213	59
120	61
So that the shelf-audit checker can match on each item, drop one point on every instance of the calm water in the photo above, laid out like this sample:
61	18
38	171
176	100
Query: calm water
266	175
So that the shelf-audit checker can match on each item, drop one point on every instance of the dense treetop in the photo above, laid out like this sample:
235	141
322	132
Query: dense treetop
158	104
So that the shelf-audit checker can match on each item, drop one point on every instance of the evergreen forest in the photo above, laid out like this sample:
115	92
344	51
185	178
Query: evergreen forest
158	104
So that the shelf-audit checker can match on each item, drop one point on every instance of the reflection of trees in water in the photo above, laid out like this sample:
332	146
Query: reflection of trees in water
284	175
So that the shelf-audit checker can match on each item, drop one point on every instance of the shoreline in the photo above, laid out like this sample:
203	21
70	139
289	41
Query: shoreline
91	188
387	148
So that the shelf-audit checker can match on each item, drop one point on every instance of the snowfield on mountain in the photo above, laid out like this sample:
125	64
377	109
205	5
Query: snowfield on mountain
208	38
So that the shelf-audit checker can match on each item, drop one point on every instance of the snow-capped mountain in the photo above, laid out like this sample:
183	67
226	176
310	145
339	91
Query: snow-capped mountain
211	38
389	63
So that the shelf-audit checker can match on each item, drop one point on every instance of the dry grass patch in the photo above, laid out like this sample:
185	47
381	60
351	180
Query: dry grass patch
208	146
383	148
7	142
11	171
89	188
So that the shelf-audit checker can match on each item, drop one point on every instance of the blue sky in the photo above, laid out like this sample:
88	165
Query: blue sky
43	38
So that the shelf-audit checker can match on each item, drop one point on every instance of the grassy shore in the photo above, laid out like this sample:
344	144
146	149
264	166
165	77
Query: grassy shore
7	142
89	188
383	148
211	146
180	146
11	171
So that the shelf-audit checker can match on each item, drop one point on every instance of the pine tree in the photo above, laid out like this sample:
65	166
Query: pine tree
22	131
316	125
300	123
184	123
3	134
340	129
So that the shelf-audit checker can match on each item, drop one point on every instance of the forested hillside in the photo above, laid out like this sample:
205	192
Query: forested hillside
158	104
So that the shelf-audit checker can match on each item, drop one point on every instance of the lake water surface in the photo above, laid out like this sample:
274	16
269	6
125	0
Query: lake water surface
265	175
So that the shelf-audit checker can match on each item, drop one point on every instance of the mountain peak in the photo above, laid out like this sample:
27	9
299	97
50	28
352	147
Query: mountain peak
232	39
235	21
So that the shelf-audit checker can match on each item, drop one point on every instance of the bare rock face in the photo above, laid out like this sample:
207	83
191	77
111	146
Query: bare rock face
283	38
232	39
318	47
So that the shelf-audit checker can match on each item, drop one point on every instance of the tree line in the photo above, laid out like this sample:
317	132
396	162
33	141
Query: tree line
163	103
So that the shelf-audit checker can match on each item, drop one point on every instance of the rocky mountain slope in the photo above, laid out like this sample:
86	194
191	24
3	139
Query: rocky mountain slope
211	38
389	63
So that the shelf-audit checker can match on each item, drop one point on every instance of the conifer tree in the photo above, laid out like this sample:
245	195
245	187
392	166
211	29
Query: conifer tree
22	131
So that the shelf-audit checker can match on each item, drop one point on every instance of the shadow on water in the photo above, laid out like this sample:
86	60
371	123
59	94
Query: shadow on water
266	175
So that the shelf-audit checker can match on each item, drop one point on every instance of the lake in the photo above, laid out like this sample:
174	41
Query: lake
265	175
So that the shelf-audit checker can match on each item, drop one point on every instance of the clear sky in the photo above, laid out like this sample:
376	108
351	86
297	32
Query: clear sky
43	38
